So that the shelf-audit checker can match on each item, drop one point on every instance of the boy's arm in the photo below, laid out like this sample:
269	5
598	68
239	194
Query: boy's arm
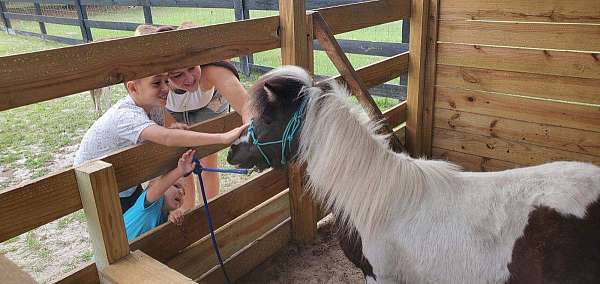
186	138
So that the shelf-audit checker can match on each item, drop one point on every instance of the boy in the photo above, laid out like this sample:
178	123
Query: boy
163	195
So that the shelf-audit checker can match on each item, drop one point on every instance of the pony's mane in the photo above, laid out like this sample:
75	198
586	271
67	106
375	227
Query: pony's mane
352	169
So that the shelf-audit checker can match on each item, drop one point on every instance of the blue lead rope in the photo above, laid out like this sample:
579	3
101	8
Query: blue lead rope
198	170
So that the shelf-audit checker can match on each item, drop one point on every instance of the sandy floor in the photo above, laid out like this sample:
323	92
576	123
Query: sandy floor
323	262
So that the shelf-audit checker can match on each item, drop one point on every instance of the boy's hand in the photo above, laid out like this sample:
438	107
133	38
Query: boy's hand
186	163
176	216
232	135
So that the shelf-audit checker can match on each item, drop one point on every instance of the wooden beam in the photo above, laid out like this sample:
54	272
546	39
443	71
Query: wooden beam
138	267
473	163
541	134
526	60
416	75
47	199
430	78
86	273
379	72
10	273
557	36
99	64
584	117
297	49
166	241
200	257
570	89
345	18
100	199
396	115
342	63
252	255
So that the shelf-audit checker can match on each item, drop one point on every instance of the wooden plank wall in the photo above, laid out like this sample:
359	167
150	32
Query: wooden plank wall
517	82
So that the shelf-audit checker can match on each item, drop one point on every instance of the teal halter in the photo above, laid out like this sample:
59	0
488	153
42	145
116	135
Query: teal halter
287	137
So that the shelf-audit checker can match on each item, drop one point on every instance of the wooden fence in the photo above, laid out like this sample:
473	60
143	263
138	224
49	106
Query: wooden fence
241	10
253	220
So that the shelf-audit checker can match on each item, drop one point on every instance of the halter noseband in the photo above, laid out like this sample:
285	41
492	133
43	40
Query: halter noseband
288	134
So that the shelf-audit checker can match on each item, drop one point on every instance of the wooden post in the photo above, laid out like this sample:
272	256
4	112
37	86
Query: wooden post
38	11
430	70
416	76
5	19
147	12
242	13
100	198
86	33
296	49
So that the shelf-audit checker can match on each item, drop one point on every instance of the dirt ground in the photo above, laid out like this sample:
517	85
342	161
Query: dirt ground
322	262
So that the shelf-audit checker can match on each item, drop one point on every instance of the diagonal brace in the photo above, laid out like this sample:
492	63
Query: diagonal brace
325	36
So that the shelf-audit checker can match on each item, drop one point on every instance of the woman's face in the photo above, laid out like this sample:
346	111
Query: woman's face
151	91
186	79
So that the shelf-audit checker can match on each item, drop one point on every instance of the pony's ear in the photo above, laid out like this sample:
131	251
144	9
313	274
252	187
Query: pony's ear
271	92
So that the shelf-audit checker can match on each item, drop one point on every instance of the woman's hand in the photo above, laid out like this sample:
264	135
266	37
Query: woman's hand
176	216
186	163
228	137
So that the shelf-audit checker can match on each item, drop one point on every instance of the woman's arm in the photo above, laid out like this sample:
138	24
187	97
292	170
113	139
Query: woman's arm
186	138
229	86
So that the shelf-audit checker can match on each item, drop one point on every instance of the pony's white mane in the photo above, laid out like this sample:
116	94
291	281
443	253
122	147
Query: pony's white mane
352	169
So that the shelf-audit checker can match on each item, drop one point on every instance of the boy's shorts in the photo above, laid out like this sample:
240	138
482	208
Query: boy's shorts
127	202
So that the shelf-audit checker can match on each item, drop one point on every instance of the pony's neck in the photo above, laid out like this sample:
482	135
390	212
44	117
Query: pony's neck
352	170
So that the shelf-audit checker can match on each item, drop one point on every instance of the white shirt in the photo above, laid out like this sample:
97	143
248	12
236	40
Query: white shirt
189	101
119	127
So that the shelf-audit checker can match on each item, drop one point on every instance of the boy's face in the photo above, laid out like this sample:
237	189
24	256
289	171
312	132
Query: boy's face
186	79
174	196
150	91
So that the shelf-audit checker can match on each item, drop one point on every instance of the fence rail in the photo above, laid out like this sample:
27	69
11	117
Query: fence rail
241	9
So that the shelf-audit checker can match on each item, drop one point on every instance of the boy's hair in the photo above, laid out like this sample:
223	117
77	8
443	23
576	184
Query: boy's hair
187	25
146	30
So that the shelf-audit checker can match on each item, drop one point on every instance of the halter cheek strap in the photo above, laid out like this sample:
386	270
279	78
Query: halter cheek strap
286	139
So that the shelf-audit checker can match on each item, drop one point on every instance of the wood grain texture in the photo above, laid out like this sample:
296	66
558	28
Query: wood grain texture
345	18
568	139
252	255
430	78
419	20
44	75
495	148
524	109
471	162
10	273
566	11
516	83
167	240
578	37
138	267
37	203
537	61
86	273
100	199
200	257
396	115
